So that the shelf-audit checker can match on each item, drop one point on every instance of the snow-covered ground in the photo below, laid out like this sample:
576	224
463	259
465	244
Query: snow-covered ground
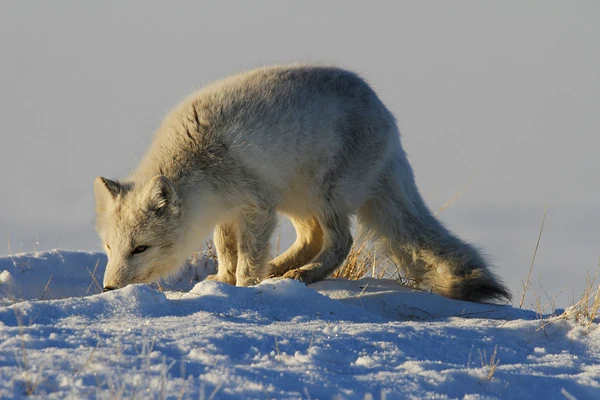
61	338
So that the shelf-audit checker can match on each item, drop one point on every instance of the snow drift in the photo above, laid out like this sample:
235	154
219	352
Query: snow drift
370	338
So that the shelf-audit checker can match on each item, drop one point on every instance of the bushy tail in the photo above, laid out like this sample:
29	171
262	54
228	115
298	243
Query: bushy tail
397	220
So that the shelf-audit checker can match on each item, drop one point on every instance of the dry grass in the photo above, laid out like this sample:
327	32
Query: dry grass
46	287
22	262
360	261
490	364
526	284
586	310
456	196
94	282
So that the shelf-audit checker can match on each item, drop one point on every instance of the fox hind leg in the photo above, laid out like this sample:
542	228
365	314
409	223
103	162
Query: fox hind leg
337	241
309	241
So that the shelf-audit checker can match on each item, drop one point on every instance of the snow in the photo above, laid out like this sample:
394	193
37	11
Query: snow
367	339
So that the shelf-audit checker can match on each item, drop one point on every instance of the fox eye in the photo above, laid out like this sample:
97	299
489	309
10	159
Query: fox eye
107	246
139	249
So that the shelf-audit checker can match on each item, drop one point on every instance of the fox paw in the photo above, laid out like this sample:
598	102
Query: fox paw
228	279
248	281
297	274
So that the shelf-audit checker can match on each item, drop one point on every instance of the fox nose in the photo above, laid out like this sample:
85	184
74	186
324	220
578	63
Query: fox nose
107	288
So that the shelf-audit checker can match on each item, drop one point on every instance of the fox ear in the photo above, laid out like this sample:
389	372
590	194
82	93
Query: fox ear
104	190
161	195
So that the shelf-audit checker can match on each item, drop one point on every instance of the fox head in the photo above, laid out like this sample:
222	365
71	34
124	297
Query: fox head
139	228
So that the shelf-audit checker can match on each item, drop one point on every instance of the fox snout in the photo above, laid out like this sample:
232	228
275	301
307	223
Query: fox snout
116	277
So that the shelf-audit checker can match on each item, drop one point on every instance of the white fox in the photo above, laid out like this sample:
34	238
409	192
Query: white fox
312	142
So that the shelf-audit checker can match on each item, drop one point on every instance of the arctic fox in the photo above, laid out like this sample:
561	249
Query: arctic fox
312	142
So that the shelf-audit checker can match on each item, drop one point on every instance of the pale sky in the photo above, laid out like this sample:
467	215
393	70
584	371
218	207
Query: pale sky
508	92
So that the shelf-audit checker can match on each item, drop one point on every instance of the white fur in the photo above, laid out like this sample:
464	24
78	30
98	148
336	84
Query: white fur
312	142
